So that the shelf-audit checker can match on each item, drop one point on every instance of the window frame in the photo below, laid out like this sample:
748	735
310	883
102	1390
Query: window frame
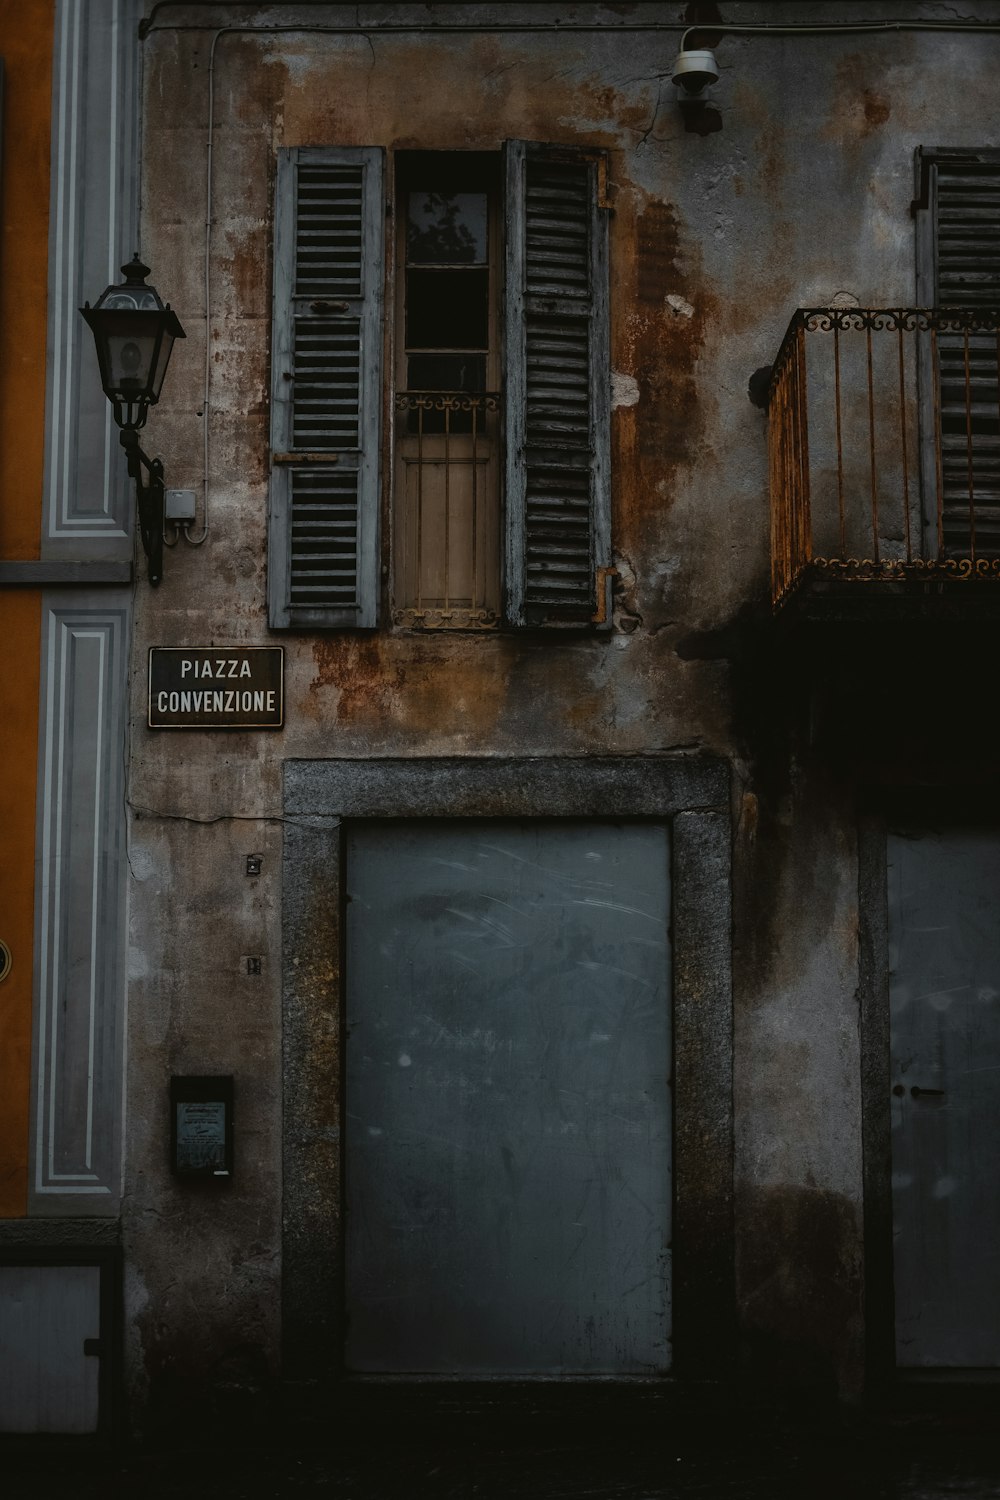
584	505
404	163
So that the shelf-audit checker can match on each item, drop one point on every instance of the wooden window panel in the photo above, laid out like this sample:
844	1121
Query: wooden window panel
556	367
958	266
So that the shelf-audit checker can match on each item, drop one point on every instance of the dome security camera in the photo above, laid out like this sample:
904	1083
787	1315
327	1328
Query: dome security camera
695	70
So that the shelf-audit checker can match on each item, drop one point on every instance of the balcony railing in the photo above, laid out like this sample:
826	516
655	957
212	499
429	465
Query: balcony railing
884	441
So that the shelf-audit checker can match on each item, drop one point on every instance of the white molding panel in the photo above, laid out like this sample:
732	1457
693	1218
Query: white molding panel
92	229
79	906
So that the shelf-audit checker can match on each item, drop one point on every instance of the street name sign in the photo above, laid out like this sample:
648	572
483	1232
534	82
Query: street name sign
216	687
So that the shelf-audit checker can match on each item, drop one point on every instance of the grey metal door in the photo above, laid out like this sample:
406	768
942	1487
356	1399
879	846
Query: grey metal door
49	1377
508	1112
944	993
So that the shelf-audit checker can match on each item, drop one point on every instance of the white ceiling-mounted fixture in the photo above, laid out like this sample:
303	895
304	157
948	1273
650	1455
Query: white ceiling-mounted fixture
695	70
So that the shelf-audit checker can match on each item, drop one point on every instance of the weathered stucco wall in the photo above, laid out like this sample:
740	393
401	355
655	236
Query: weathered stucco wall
795	188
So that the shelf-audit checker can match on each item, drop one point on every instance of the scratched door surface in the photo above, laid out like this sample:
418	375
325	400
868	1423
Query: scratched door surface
508	1111
944	993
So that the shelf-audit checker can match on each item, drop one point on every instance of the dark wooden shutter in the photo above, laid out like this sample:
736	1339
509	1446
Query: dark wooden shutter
556	385
961	269
326	388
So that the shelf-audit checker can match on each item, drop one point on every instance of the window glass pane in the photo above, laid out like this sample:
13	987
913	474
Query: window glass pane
446	372
446	229
447	309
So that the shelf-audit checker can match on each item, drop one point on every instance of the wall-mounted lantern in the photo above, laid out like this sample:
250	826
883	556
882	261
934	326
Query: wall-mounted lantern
134	332
695	70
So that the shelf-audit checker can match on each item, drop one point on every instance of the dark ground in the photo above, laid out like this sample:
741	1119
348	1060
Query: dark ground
612	1472
648	1442
639	1450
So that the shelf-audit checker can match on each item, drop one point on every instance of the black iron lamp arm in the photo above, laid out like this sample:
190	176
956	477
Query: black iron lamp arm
149	495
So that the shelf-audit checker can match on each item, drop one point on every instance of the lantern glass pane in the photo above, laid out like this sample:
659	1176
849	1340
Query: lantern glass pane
130	356
129	299
162	359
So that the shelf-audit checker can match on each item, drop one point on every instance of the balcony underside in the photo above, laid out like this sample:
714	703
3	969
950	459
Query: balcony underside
956	588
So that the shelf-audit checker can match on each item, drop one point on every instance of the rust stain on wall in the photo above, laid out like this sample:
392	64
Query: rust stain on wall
246	270
658	342
430	686
356	669
877	110
533	91
670	352
858	108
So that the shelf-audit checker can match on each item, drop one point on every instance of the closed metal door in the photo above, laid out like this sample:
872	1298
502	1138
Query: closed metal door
944	992
50	1326
507	1086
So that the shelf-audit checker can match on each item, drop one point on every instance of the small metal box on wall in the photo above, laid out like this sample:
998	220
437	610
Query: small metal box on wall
201	1126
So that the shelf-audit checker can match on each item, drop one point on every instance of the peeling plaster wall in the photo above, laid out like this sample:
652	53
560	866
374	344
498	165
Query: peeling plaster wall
794	190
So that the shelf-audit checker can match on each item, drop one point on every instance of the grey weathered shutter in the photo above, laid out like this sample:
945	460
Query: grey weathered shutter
326	388
959	267
557	385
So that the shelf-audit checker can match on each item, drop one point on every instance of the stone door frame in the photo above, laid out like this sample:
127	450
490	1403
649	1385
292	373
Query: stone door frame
320	796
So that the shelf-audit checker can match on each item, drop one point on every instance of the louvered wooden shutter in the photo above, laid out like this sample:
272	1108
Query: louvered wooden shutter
326	388
556	384
961	269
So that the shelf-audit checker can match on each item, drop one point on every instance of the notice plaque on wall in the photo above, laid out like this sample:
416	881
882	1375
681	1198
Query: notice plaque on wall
216	687
201	1125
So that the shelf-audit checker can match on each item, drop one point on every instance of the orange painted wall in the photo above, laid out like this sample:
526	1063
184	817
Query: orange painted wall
26	46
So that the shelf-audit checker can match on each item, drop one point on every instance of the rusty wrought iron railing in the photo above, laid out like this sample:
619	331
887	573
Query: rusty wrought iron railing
884	447
447	567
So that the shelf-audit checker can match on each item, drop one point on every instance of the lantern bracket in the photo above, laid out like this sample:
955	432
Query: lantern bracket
149	497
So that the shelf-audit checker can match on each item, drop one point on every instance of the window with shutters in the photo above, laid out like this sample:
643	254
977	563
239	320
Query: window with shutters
500	399
959	273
